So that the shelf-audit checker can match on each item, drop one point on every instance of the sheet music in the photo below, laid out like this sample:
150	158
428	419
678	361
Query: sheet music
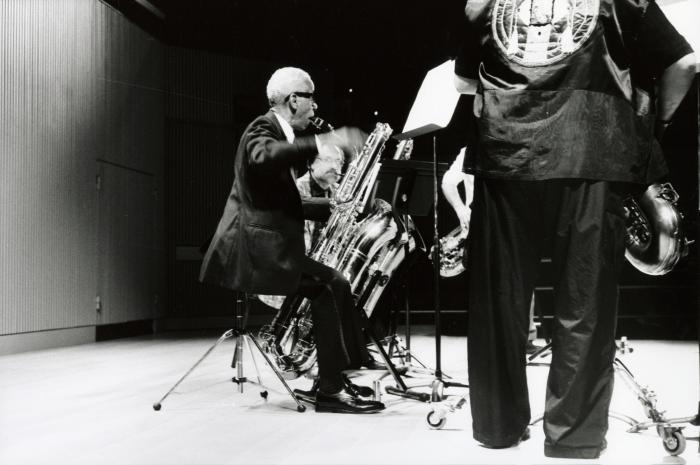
435	103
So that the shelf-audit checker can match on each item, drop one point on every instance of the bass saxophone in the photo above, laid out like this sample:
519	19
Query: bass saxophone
365	251
655	239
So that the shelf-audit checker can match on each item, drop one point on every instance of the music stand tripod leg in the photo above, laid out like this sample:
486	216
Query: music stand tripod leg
226	335
401	389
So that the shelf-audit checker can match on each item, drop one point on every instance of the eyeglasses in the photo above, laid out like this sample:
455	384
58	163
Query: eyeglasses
308	95
327	159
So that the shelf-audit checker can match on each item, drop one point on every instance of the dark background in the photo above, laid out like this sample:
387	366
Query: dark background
368	59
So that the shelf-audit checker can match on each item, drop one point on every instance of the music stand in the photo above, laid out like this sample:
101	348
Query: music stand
401	183
432	111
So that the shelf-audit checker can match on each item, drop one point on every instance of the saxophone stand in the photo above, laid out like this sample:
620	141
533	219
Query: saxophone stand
395	346
406	184
243	336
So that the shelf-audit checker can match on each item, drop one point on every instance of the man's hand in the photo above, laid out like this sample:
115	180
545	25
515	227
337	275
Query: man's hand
464	214
350	140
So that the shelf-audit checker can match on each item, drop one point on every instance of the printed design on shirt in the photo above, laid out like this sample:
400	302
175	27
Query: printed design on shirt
542	32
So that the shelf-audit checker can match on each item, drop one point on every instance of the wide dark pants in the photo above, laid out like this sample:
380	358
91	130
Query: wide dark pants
337	326
580	224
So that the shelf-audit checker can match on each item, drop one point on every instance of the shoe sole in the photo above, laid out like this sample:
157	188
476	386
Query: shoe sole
305	398
333	409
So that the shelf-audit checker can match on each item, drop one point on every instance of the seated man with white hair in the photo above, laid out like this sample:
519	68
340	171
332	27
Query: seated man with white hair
258	246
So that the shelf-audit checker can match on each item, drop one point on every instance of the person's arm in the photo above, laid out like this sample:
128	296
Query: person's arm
316	208
673	85
450	181
313	208
663	53
267	153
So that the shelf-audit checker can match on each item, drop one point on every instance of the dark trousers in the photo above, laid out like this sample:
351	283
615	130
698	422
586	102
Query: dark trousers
337	325
580	224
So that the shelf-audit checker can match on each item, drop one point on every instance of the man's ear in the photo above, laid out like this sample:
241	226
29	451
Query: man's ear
292	103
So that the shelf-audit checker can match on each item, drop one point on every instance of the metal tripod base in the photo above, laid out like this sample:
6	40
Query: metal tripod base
242	336
400	389
396	349
408	369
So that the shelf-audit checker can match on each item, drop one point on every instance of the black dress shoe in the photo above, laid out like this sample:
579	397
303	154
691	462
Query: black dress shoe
310	395
356	389
345	402
373	364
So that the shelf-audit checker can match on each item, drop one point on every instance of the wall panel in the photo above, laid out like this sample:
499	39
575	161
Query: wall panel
60	63
127	264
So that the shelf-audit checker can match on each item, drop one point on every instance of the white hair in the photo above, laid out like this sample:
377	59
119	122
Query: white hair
286	81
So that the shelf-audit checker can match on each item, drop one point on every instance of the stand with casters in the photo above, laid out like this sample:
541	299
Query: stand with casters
442	405
406	185
242	336
671	434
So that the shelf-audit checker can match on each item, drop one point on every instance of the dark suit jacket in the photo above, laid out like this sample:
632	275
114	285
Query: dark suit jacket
260	238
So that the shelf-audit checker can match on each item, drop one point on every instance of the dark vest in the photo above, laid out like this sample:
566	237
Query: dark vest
558	96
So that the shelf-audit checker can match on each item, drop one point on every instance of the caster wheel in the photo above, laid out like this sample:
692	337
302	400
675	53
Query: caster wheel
435	421
674	443
301	408
156	406
263	394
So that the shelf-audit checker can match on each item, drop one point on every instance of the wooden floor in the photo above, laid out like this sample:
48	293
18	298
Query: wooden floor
91	404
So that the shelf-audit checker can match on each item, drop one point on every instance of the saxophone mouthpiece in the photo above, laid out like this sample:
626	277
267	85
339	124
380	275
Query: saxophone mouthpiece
320	124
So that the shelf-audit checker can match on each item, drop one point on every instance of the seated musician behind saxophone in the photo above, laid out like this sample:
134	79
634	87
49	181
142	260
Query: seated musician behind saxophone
258	246
318	185
463	209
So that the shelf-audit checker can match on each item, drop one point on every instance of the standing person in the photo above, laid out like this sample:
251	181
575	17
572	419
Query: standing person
566	121
258	246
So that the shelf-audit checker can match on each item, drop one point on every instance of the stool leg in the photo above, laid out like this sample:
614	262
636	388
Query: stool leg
238	357
223	337
300	407
255	364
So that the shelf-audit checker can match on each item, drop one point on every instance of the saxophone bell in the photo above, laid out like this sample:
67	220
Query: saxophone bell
452	252
655	238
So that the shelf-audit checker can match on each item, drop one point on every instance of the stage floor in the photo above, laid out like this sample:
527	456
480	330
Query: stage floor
91	404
